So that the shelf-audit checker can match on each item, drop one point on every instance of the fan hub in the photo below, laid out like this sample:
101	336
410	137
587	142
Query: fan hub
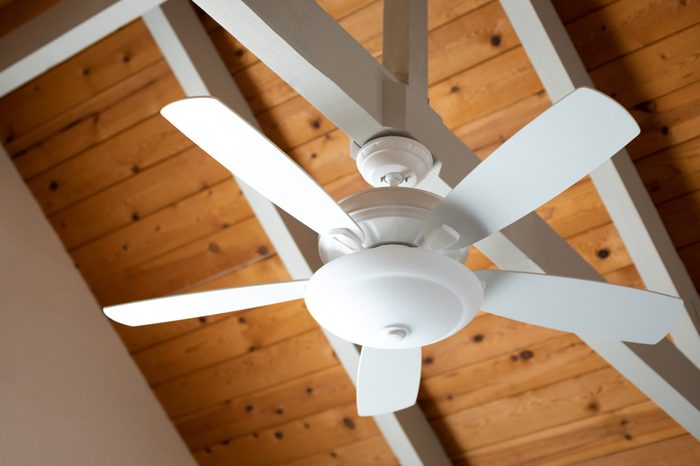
394	297
393	161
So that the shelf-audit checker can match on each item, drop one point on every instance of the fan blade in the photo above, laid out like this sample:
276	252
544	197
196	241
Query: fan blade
256	160
596	309
561	146
187	306
387	380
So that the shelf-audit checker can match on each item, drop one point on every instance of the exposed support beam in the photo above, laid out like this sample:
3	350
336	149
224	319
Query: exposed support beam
59	33
200	71
561	70
530	244
405	56
311	52
335	74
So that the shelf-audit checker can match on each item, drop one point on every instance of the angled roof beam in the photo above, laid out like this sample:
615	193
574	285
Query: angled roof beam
311	51
561	70
59	33
324	64
200	71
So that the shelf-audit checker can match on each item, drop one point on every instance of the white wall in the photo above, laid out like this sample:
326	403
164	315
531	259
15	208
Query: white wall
69	391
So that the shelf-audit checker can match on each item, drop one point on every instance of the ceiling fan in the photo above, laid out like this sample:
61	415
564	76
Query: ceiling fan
394	279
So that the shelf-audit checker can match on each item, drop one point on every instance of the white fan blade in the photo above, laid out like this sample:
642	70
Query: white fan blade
187	306
596	309
387	380
561	146
256	160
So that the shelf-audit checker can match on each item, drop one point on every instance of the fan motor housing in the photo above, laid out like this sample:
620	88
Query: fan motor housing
394	297
389	215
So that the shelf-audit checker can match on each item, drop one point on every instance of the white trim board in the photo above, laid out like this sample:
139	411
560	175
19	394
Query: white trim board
59	33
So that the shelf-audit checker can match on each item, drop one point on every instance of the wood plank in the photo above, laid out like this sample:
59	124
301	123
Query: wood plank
223	252
602	248
282	362
520	369
468	40
682	219
14	13
242	415
294	440
570	443
666	121
233	336
628	25
96	68
575	211
673	172
652	71
495	84
110	162
569	11
372	451
484	338
680	451
626	276
691	259
93	121
570	400
171	185
210	211
494	128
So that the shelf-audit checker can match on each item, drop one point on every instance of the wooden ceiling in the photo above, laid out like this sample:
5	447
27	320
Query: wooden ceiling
143	213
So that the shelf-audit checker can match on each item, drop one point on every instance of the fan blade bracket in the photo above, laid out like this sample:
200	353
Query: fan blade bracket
441	237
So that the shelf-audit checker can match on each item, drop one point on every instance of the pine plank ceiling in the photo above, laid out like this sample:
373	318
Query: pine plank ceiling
143	213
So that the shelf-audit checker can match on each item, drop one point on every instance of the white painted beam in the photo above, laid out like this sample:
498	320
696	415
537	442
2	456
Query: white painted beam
302	44
561	70
529	244
405	44
60	32
324	64
200	71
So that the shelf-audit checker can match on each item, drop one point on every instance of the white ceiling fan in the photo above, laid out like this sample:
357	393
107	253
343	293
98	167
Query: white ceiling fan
394	278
